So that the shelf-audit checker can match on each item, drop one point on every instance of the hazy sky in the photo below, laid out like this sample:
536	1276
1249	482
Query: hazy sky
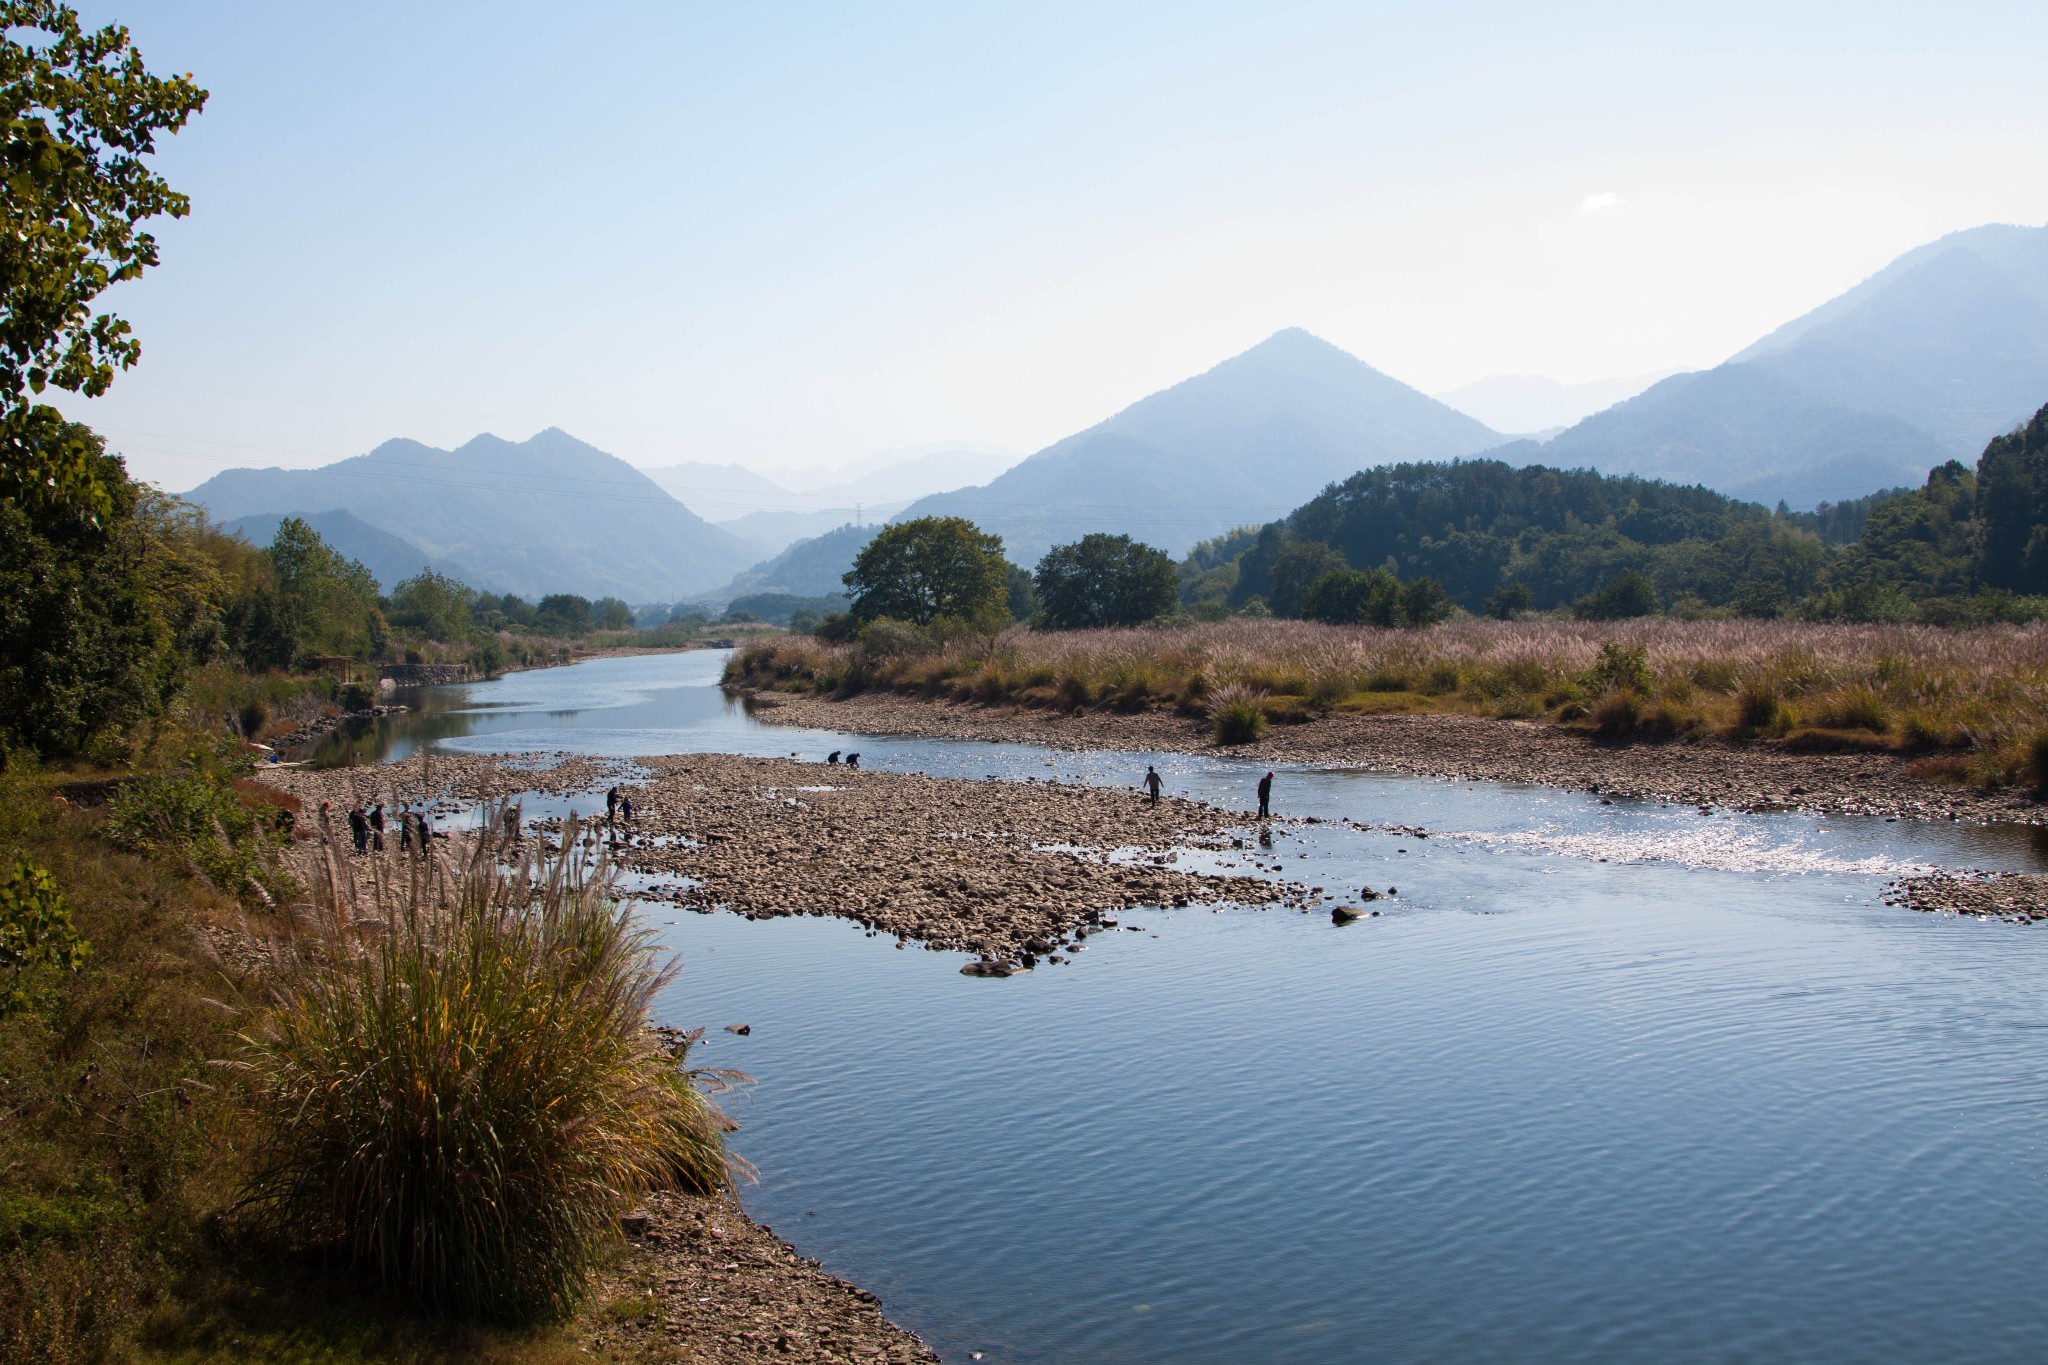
792	234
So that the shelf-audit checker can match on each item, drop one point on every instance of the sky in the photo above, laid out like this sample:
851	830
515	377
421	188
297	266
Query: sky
792	235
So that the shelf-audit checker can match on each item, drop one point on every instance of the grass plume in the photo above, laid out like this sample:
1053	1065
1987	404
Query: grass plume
455	1086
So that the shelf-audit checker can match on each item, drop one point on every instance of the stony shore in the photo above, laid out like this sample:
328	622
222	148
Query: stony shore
702	1281
1010	871
1018	873
2016	897
1749	777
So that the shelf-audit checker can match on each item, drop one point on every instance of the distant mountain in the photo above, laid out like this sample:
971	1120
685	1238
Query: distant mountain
809	568
718	492
770	533
1925	361
1246	442
912	473
390	560
1533	406
549	514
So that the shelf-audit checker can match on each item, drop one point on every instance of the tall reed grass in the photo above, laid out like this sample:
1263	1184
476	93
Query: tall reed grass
1980	692
455	1086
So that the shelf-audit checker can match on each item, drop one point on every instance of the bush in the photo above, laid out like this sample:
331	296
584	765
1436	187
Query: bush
1620	668
1617	715
462	1104
1859	708
36	937
1236	714
196	816
1759	707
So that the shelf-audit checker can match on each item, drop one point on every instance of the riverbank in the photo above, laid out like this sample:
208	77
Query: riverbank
1748	777
1016	873
1010	872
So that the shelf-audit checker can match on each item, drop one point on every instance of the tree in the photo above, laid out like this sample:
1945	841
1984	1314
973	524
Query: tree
82	113
1104	580
327	602
2012	504
564	613
1295	569
611	613
920	570
432	604
1354	597
97	620
1424	602
1624	595
1509	600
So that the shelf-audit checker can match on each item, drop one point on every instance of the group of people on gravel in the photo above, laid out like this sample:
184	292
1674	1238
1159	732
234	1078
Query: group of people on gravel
366	827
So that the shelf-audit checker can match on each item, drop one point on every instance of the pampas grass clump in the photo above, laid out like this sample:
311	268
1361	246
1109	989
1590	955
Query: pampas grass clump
456	1088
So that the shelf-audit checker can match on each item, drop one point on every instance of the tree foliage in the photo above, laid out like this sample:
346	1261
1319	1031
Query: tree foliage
2012	506
82	113
930	567
98	622
1104	580
37	938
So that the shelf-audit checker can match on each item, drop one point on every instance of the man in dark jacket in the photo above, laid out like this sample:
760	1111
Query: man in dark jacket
1266	797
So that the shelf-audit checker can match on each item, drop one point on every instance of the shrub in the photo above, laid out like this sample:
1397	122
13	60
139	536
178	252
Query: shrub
1759	707
1859	708
1617	715
36	937
1237	714
1620	668
461	1100
196	816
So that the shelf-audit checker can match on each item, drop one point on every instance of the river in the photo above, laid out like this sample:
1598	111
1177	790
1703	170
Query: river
1603	1082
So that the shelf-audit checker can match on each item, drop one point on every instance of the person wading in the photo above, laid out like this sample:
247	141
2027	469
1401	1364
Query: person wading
611	815
1152	783
1266	797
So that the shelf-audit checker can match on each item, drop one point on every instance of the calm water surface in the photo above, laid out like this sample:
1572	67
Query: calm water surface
1604	1082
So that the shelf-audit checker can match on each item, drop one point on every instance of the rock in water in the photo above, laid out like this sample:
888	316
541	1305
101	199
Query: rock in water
1344	914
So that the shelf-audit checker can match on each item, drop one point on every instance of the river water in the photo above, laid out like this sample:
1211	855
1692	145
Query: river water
1609	1082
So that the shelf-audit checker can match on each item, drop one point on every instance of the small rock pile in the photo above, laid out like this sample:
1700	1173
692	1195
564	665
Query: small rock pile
2017	897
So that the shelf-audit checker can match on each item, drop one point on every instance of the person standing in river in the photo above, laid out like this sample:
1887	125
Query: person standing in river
1266	797
611	815
1152	783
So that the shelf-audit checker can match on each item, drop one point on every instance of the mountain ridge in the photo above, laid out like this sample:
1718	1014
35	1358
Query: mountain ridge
548	514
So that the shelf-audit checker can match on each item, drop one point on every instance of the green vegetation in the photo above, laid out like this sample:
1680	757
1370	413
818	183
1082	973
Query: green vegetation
1103	580
82	112
1964	549
464	1104
930	569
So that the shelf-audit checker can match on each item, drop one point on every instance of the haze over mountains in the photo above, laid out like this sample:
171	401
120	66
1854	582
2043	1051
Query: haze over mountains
772	513
549	514
1532	405
1925	361
1247	441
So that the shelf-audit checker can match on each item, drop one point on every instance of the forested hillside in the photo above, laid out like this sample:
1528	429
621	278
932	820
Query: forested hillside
1501	539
